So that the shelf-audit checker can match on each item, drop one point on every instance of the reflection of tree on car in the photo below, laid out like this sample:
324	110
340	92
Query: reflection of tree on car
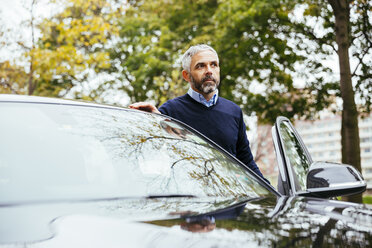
263	220
205	224
174	130
296	156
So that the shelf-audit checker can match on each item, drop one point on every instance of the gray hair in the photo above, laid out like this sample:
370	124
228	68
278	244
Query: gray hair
187	56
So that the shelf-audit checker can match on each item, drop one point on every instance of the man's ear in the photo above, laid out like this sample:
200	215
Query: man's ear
186	75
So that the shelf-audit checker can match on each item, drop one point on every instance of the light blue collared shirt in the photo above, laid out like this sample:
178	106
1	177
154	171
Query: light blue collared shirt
200	98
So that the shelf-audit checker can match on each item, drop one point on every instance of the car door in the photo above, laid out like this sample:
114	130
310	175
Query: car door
292	156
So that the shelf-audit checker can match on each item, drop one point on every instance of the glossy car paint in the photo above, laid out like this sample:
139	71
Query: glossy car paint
266	220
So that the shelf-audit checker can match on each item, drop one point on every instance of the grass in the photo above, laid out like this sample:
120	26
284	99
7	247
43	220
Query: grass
367	199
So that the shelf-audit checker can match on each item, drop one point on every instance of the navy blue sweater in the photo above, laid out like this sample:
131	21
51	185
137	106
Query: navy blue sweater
223	123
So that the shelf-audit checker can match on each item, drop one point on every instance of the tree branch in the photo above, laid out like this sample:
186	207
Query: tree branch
8	85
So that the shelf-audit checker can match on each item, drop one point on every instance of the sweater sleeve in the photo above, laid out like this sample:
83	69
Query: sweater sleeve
243	151
164	108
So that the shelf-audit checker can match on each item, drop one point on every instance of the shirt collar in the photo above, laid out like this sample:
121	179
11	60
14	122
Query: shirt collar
200	98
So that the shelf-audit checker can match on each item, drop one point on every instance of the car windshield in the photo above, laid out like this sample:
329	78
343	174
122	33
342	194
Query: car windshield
55	151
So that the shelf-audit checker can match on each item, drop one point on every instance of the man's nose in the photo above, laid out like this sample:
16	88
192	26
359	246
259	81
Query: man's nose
209	70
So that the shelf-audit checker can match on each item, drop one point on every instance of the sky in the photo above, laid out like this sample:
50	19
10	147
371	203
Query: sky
13	13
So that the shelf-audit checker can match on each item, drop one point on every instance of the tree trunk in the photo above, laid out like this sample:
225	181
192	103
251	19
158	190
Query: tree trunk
31	87
349	126
31	83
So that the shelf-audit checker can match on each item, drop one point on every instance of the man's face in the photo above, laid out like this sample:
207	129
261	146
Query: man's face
204	72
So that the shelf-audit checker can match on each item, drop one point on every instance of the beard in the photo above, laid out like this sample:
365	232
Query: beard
204	86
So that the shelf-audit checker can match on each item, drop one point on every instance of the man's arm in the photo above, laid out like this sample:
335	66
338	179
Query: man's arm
243	151
145	106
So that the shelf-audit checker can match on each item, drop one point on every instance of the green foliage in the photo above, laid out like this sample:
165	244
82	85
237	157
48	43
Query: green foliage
251	38
253	44
72	45
367	199
261	45
13	78
153	35
360	41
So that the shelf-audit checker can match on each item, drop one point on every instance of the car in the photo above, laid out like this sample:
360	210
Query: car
79	174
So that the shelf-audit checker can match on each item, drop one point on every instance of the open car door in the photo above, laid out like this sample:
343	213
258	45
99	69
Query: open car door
299	175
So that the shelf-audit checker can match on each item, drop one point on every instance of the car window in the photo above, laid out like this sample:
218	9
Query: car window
60	151
295	155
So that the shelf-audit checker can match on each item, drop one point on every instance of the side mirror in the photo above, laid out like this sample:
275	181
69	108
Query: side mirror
326	180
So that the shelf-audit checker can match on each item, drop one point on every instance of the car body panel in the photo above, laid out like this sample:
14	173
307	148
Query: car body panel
220	203
266	222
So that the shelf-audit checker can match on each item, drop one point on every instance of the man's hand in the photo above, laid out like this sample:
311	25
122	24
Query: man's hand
144	106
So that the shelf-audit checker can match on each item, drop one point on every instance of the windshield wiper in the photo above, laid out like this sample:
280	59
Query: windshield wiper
71	200
169	196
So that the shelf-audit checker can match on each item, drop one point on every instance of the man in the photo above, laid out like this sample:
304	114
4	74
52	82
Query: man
201	108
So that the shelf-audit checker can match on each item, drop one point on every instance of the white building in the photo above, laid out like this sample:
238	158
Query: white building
323	140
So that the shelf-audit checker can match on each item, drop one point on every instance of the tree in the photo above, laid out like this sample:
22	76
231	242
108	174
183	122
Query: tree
153	35
346	27
349	128
71	47
255	40
246	34
14	78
